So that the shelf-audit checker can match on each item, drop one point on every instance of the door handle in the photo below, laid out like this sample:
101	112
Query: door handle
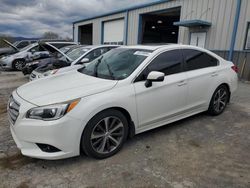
182	83
214	74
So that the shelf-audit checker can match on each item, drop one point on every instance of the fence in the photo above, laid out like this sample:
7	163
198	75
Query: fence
242	60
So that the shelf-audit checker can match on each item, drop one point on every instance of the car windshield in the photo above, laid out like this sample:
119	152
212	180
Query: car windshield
76	53
66	49
117	64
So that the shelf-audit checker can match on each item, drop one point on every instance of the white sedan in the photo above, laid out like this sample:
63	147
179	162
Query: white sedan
126	91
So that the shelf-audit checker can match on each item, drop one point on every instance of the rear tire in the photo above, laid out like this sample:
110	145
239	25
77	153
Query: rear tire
219	101
18	64
105	134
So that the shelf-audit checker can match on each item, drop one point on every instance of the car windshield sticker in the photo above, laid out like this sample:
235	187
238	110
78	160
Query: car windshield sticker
143	53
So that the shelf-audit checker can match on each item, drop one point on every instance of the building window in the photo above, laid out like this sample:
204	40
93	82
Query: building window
247	43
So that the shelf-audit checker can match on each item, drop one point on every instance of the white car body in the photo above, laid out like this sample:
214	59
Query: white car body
74	65
178	96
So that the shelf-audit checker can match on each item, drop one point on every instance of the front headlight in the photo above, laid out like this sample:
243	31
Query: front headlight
51	112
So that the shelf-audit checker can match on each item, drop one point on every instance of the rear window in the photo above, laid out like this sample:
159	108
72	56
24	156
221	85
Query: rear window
197	59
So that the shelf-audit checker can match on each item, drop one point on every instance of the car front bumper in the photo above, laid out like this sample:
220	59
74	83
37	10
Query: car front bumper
5	64
63	134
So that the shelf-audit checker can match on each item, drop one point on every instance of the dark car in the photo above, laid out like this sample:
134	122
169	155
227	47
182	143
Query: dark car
52	58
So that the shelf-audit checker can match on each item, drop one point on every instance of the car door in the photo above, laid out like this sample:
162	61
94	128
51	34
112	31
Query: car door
202	73
163	100
37	52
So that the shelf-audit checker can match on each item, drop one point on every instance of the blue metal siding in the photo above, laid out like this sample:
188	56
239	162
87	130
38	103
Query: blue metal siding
236	23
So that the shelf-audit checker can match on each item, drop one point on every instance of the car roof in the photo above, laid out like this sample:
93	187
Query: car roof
103	45
165	46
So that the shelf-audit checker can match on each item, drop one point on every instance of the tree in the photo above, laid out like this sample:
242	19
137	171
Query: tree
50	35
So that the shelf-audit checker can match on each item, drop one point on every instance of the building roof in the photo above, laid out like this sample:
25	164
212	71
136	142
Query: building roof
123	10
193	23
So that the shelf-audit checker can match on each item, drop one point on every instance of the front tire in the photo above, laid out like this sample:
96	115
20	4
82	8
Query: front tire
105	134
18	64
219	100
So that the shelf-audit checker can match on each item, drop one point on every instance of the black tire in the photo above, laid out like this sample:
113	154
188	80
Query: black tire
93	146
18	64
219	100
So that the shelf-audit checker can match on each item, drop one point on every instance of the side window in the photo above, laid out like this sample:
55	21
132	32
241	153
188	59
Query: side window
197	60
94	54
169	62
22	44
37	49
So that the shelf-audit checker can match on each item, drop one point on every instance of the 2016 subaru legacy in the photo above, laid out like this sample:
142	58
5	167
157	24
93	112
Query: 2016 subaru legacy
126	91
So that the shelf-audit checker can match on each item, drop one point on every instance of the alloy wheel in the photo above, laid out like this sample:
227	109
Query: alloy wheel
19	64
107	135
220	100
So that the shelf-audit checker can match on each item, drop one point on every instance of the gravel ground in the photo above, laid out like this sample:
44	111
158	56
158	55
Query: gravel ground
200	151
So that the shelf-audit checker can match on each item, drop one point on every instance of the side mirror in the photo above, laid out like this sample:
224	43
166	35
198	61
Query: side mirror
154	76
84	60
33	51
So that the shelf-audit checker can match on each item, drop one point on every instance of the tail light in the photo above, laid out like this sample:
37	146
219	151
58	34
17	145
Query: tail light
235	68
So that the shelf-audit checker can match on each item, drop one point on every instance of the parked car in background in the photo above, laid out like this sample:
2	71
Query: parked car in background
78	56
33	51
54	55
15	47
128	91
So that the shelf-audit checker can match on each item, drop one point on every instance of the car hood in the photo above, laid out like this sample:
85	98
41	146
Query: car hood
63	87
11	45
52	49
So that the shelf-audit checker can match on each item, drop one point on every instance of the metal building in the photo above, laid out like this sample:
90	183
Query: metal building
222	26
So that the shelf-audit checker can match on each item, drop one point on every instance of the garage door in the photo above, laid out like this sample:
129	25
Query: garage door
113	32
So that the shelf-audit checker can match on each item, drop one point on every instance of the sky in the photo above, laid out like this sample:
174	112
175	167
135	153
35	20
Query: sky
31	18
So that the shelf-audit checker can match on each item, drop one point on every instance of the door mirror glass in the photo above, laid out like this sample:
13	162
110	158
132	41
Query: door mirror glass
84	60
154	76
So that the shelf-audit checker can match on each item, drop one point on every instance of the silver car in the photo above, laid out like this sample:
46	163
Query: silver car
28	53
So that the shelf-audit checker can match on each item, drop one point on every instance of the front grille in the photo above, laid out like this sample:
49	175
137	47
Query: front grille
13	110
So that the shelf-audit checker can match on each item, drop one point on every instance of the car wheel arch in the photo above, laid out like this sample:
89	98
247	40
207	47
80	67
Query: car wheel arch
228	87
17	60
131	125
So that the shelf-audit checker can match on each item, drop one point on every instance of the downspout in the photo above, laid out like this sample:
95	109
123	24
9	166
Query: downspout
236	23
102	33
73	33
126	28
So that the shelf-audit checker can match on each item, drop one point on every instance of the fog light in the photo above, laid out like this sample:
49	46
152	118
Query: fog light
48	148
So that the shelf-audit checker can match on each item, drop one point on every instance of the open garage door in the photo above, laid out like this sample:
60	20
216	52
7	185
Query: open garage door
113	32
86	34
158	27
